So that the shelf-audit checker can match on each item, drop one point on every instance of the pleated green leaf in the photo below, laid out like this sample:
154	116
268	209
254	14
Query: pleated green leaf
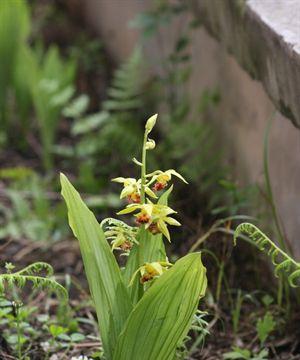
110	295
162	318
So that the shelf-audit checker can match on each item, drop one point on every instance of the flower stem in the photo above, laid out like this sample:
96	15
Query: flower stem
143	168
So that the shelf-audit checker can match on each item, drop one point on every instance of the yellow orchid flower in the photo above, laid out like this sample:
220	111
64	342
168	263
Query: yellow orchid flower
144	215
160	219
151	271
132	189
161	178
154	216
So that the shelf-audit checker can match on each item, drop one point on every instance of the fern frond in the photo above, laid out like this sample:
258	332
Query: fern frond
113	227
115	222
127	85
281	260
37	268
31	274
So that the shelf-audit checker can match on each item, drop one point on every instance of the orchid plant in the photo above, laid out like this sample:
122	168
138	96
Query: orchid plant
145	308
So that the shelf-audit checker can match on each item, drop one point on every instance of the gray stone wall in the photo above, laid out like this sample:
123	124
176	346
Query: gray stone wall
254	80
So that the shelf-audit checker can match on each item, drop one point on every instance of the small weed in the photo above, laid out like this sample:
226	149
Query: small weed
238	354
264	327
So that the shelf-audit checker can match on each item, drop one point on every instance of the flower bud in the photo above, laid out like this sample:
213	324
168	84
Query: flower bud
150	144
150	123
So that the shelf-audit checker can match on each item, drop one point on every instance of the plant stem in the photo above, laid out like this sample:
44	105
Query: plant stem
280	291
18	332
237	312
143	169
219	282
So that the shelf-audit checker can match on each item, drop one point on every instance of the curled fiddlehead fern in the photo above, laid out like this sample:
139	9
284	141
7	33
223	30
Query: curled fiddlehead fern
38	274
114	228
280	259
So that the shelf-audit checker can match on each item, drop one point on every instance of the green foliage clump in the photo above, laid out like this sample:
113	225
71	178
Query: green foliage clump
51	87
33	78
14	29
33	212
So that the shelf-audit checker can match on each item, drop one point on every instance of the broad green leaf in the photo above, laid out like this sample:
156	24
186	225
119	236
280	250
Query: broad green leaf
162	318
108	290
151	248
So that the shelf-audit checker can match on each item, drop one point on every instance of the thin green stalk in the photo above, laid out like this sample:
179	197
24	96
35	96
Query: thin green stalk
19	345
219	282
288	301
237	312
143	168
221	276
280	291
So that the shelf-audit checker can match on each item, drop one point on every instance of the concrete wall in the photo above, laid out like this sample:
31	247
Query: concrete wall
110	18
242	116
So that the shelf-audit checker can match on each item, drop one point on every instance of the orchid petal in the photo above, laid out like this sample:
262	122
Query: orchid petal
118	180
128	190
175	173
171	221
129	209
149	192
163	229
